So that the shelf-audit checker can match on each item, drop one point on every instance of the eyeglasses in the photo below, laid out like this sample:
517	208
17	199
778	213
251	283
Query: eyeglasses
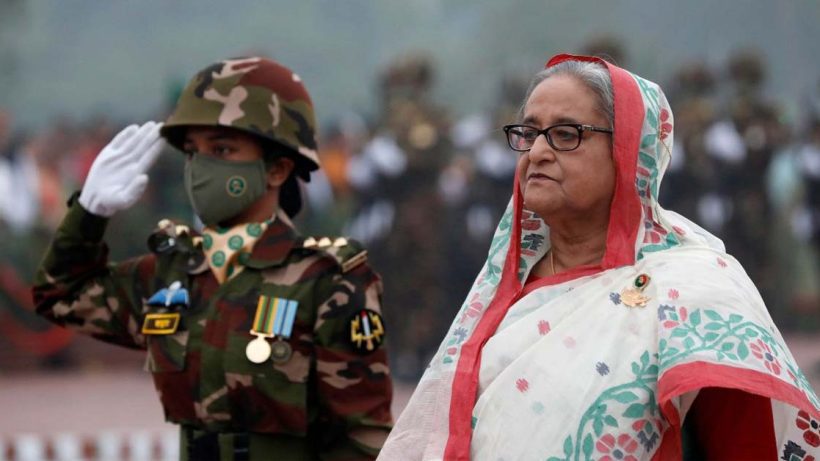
562	137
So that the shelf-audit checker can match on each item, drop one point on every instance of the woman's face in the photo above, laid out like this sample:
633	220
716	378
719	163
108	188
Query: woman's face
572	185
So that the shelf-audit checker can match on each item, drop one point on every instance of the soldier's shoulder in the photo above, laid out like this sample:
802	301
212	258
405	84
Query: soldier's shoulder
348	254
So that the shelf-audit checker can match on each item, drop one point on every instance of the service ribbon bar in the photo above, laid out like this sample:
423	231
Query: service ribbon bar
275	316
290	317
263	321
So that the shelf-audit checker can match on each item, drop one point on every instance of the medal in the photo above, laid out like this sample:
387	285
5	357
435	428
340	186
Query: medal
258	350
274	317
280	351
633	296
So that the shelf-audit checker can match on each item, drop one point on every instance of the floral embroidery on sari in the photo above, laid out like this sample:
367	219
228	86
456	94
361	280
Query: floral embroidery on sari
726	338
657	128
623	423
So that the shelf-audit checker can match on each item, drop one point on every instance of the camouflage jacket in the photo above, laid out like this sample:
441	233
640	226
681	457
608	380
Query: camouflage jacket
333	394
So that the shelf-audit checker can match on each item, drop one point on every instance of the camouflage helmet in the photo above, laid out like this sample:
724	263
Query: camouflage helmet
255	95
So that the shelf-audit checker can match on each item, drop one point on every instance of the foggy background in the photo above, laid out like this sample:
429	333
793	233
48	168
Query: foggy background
125	58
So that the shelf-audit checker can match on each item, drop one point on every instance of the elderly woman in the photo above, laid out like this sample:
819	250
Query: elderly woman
601	324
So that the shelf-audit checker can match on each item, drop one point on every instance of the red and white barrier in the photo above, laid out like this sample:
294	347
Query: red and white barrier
103	446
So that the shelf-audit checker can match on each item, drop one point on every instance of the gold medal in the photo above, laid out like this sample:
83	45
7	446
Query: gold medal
281	351
258	350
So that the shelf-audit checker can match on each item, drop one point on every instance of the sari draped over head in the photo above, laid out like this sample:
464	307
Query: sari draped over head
571	366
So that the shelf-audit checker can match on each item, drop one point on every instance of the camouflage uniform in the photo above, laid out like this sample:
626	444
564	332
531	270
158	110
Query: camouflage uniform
329	400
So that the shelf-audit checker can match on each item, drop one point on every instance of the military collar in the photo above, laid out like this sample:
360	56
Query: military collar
275	244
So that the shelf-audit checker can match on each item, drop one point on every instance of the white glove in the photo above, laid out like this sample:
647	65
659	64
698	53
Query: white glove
117	177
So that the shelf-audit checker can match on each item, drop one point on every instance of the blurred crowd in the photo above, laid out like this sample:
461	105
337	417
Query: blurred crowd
424	188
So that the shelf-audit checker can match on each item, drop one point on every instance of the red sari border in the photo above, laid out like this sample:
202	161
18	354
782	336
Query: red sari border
696	375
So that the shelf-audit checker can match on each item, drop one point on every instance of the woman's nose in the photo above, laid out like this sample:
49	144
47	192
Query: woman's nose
541	150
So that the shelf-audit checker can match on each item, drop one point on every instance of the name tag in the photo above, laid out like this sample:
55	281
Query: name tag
161	324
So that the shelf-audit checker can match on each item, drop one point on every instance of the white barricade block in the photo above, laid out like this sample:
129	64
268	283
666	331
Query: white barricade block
29	447
141	446
67	447
170	446
109	446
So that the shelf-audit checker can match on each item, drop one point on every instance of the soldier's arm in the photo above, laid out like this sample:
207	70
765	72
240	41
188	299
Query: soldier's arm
354	383
76	287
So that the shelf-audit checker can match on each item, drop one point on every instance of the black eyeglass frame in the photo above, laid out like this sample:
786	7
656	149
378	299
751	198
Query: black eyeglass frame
580	127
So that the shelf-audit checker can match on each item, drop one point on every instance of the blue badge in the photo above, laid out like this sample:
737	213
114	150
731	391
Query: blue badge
174	295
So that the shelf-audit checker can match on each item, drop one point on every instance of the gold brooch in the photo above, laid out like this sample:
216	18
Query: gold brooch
633	296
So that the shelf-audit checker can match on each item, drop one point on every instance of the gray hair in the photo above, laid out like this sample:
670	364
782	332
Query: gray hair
594	75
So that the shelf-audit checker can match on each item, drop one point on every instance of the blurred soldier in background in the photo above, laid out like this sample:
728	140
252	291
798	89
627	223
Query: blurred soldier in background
805	218
476	183
692	179
809	158
742	143
263	344
331	199
396	176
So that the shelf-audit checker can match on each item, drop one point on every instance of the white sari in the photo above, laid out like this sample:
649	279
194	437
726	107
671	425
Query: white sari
573	366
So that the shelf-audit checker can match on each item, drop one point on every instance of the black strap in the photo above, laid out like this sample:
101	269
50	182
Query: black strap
205	446
241	447
202	446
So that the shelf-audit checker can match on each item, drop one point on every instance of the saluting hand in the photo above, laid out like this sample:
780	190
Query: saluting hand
117	177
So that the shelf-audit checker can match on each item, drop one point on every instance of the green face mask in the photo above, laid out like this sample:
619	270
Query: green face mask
221	189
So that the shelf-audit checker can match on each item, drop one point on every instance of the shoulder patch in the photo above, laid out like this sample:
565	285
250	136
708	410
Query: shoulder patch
366	331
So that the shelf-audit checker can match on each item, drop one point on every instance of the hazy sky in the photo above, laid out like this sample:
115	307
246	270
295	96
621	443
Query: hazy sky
77	57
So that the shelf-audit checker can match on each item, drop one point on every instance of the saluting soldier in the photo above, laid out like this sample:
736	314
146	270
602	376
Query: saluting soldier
263	344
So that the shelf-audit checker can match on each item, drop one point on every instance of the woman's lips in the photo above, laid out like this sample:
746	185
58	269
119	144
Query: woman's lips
538	177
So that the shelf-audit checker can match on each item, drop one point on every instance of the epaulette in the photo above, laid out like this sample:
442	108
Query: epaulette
349	254
170	237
